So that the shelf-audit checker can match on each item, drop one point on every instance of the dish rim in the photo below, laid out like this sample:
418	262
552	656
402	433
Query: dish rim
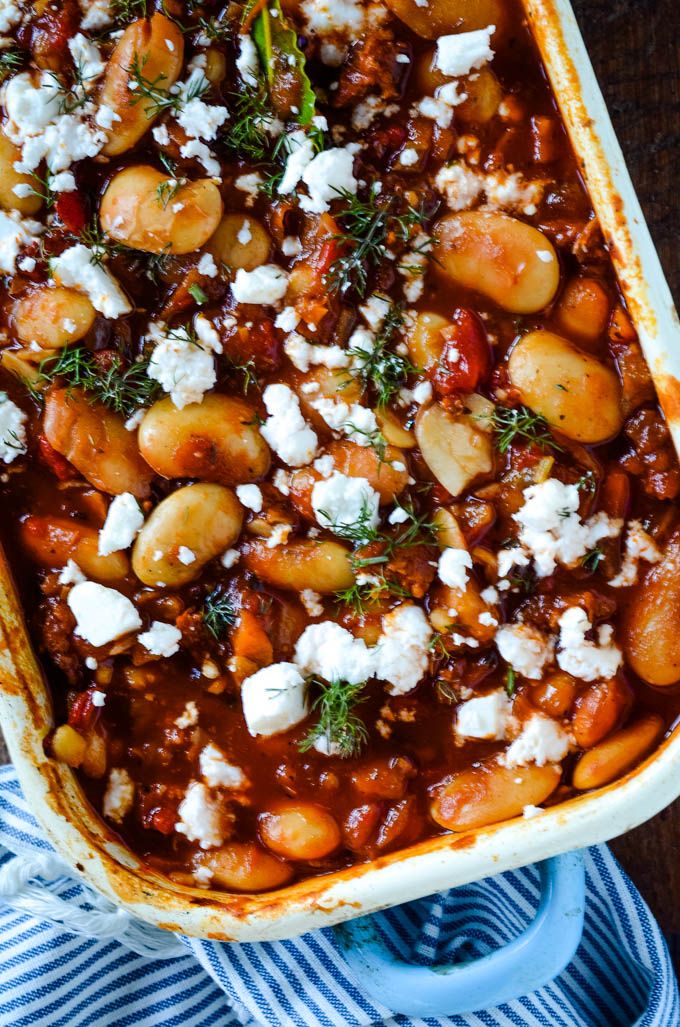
445	861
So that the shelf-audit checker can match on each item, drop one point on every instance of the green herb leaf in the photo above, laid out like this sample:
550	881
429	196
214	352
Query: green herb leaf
276	42
119	387
521	423
198	294
338	724
592	559
358	596
219	613
381	368
10	62
510	681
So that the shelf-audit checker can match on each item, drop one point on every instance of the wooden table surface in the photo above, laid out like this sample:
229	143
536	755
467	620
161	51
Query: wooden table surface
633	46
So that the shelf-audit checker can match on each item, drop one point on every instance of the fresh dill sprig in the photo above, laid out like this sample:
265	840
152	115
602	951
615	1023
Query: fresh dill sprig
592	559
438	646
246	369
245	134
41	187
368	227
416	530
380	367
197	294
511	423
10	62
361	531
587	482
215	28
375	440
155	97
218	612
121	388
129	10
167	190
338	725
75	95
361	595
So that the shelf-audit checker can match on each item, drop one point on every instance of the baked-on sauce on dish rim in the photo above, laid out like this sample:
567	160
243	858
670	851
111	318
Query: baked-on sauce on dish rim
334	480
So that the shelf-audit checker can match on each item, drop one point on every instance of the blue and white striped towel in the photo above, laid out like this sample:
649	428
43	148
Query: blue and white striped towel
621	974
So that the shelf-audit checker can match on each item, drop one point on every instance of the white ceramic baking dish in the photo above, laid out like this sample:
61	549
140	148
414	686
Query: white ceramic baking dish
439	863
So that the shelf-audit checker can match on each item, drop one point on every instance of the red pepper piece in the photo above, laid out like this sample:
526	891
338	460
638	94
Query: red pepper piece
466	357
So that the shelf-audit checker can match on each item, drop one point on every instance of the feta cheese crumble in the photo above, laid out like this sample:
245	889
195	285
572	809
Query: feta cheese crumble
250	496
332	652
639	546
341	502
453	566
12	430
274	699
200	817
266	284
217	771
123	521
183	368
327	175
581	657
119	795
525	648
285	429
15	233
161	639
541	740
76	267
485	717
459	54
102	614
402	652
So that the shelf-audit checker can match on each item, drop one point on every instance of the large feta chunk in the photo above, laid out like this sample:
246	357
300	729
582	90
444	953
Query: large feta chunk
161	639
183	368
525	648
285	429
541	740
274	699
453	567
327	177
403	653
355	420
461	53
217	771
581	657
12	430
300	151
119	795
639	546
77	267
123	521
340	502
486	716
200	817
334	654
266	284
102	614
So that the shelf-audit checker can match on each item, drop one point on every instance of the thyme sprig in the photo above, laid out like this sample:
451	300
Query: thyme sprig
120	387
338	725
511	423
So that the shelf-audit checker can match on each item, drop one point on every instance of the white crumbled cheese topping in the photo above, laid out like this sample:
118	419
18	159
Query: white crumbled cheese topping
324	465
285	429
98	698
287	320
398	516
639	546
200	817
14	234
525	648
551	530
198	119
274	699
206	266
250	496
281	481
134	420
324	745
161	639
75	267
303	354
312	602
161	135
12	430
10	15
203	154
96	14
106	118
581	657
340	502
249	184
408	157
186	556
459	185
300	154
183	368
541	740
440	107
413	267
87	58
453	567
291	247
207	334
279	535
402	652
245	233
328	17
123	521
71	574
247	62
102	614
230	558
332	652
217	771
265	284
356	421
485	717
188	717
463	187
37	124
119	795
326	176
460	54
374	311
26	264
490	595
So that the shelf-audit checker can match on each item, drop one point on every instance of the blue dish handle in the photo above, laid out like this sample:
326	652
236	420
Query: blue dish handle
528	962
